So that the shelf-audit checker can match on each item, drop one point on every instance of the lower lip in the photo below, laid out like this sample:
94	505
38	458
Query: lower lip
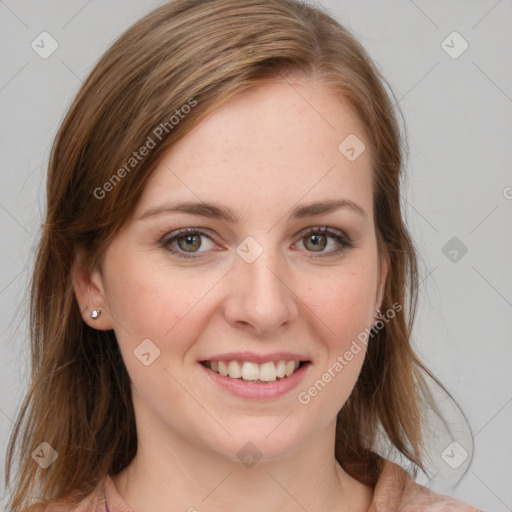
256	391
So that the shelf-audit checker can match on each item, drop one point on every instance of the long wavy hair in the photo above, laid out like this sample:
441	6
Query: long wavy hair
79	398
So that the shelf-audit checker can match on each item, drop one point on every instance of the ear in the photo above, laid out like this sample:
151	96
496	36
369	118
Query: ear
384	266
88	286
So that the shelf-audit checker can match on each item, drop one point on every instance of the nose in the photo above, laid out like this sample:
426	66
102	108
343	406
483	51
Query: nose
259	298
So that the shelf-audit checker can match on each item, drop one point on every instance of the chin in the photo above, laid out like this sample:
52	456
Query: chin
262	440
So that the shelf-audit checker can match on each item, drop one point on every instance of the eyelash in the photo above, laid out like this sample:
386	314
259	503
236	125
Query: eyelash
344	242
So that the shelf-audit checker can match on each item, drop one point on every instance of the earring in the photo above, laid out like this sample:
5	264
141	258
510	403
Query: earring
379	314
95	313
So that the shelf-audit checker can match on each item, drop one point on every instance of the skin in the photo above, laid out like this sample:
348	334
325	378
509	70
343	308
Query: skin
261	154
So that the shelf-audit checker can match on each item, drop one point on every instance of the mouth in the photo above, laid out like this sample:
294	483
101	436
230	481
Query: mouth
257	373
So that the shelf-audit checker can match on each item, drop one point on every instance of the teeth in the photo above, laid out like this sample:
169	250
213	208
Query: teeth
290	367
281	369
223	368
234	370
268	372
248	370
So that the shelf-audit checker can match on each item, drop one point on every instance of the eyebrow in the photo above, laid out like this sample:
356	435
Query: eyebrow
217	211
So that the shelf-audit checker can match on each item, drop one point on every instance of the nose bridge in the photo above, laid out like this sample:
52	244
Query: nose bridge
259	295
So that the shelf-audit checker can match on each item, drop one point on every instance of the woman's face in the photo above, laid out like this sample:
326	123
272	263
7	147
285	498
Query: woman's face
249	284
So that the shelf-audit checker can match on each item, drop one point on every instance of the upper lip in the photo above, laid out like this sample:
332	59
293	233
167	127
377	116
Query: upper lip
257	358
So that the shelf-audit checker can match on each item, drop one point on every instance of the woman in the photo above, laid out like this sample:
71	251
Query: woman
219	310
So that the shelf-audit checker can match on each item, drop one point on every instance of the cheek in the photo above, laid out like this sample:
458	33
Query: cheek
341	310
148	301
151	303
343	305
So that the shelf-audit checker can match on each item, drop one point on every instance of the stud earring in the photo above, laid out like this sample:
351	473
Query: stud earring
379	314
95	313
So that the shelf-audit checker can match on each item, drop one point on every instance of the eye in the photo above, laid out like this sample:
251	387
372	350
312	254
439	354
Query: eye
186	242
317	239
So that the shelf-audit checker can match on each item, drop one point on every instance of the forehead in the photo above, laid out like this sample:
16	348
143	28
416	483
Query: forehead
269	147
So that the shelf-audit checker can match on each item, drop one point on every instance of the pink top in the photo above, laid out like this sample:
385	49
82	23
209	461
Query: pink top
115	502
421	499
426	501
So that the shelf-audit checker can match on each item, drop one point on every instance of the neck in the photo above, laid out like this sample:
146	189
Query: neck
179	475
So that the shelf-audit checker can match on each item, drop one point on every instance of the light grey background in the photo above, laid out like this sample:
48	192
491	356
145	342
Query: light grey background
458	113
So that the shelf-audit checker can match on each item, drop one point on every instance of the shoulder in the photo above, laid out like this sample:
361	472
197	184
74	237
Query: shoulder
397	490
75	501
434	502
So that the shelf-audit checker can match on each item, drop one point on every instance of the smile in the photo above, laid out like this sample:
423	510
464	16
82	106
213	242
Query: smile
249	371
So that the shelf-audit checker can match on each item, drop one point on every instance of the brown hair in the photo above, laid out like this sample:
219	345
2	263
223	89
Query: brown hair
192	52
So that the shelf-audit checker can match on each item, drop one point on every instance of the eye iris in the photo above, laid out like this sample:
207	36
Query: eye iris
189	242
316	243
